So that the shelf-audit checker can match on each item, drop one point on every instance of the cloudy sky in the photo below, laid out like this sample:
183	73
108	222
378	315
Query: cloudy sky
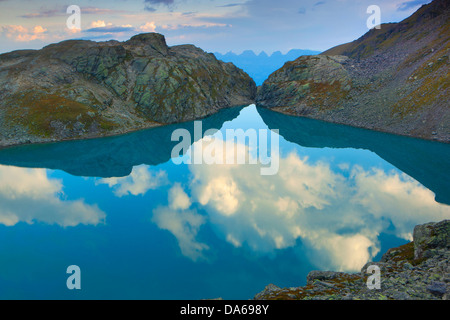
213	25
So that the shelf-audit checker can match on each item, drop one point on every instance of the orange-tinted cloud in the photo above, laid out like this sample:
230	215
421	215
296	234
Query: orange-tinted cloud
23	34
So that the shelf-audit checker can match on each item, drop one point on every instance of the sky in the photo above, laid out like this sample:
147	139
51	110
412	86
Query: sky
213	25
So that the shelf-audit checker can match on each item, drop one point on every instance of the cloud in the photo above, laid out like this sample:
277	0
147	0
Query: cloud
95	10
138	182
22	34
189	13
184	226
343	252
231	5
203	25
395	196
182	222
223	193
337	218
404	6
28	195
45	14
150	3
178	199
148	27
99	24
61	11
157	2
111	29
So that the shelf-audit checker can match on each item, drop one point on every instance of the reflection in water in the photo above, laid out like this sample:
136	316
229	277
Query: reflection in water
140	180
111	156
182	222
425	161
337	214
164	229
28	195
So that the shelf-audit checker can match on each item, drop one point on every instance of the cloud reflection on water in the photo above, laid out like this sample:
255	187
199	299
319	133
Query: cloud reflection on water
29	195
338	215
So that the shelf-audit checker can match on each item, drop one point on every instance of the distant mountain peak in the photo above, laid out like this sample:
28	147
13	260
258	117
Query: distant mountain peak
260	66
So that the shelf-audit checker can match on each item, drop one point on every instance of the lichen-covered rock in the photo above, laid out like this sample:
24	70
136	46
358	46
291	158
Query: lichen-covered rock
317	275
305	84
419	270
78	89
430	237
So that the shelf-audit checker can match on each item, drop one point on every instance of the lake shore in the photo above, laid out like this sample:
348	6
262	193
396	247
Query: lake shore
418	270
29	140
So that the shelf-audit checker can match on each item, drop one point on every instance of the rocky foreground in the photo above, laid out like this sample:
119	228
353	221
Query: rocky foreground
82	89
395	79
418	270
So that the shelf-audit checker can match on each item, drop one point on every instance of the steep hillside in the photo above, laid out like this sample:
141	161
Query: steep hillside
79	89
393	79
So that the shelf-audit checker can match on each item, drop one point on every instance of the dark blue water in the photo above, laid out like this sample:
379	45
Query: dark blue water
140	226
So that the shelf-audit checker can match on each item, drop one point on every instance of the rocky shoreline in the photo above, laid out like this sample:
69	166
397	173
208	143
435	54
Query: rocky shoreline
418	270
392	80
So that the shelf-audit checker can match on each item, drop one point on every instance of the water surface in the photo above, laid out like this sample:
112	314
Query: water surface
140	226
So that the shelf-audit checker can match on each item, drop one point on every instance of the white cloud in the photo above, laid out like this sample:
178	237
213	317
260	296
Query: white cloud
182	222
178	199
338	219
223	193
22	34
148	27
138	182
195	25
99	24
344	253
396	196
28	195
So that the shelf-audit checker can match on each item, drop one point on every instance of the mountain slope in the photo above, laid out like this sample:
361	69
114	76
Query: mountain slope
79	89
260	66
394	79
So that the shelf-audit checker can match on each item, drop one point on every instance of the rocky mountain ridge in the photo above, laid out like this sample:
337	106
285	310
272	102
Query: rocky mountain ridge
260	66
82	89
394	79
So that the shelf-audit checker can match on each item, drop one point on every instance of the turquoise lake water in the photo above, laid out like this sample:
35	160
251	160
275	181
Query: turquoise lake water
141	226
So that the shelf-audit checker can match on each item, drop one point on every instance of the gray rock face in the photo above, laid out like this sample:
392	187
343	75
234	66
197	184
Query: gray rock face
430	237
419	270
305	84
78	88
317	275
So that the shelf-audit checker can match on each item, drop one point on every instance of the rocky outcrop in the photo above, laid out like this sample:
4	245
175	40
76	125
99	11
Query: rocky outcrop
418	270
306	84
394	79
80	89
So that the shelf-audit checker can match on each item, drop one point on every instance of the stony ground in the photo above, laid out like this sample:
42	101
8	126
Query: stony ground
418	270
